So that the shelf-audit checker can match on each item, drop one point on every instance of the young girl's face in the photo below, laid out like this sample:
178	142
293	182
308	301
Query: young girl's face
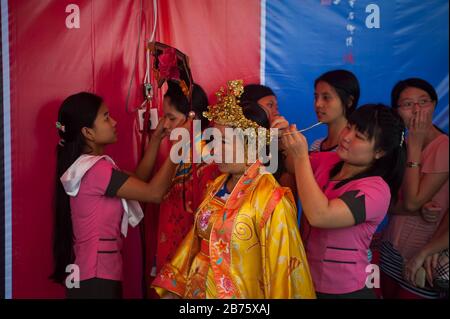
174	118
231	147
356	148
270	105
327	104
104	128
411	100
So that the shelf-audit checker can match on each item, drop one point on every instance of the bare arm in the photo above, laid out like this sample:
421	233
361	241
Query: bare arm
428	255
318	209
158	186
417	190
152	191
147	163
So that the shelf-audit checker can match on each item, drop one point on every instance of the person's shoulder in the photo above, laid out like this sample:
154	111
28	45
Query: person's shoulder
268	187
371	183
266	179
331	156
435	157
101	168
442	141
265	185
324	159
315	146
103	164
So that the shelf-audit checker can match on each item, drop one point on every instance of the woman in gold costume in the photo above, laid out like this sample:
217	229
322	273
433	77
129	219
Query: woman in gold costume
245	242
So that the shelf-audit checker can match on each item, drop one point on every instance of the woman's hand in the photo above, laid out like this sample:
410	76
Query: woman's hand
412	266
280	123
159	133
186	125
419	126
430	212
294	143
431	264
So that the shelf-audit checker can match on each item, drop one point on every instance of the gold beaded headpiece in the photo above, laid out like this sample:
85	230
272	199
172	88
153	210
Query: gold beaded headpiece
227	110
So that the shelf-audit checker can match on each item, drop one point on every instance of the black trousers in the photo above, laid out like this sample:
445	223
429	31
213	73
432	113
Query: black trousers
96	288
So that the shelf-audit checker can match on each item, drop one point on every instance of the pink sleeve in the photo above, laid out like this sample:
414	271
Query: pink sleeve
323	160
368	200
436	160
314	160
99	176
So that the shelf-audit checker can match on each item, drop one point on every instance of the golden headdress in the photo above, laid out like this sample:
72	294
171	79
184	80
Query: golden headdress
227	111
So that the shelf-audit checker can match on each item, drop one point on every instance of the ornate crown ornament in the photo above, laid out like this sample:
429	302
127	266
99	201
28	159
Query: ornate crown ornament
227	111
171	64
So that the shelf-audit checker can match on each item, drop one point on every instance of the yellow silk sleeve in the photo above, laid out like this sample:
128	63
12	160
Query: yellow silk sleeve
286	270
173	275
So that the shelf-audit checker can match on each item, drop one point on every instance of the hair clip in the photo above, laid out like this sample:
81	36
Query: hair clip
60	127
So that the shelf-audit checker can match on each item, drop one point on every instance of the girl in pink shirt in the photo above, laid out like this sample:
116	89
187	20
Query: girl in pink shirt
411	228
345	195
94	200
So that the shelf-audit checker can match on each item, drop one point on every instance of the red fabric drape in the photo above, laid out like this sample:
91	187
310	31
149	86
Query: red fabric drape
50	61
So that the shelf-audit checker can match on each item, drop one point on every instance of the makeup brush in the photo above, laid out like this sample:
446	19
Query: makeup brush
304	129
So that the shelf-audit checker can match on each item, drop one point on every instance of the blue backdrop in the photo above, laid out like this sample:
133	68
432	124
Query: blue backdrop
380	41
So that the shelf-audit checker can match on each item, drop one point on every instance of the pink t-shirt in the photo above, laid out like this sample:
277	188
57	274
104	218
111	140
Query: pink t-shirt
96	221
408	234
338	257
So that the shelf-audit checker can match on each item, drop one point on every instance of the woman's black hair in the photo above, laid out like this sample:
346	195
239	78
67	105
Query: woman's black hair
255	92
181	103
418	83
77	111
253	111
385	126
346	86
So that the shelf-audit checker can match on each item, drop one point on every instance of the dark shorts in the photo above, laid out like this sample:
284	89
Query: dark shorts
96	288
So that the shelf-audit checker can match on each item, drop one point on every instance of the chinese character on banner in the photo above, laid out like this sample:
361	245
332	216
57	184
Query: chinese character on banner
348	58
351	28
349	41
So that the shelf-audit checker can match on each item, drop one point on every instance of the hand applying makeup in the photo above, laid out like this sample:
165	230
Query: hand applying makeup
295	143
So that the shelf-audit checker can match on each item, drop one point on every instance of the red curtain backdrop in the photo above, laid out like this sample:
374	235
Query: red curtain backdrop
50	61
